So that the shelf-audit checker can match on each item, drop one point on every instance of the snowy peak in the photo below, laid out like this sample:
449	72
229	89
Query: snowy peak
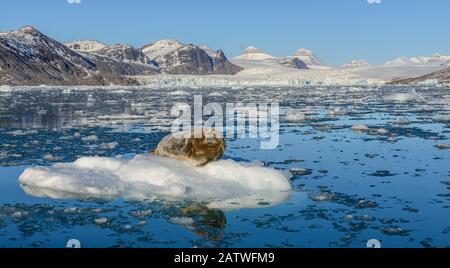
156	50
308	57
125	53
208	50
176	58
251	49
356	64
29	30
253	53
303	52
86	45
291	62
435	60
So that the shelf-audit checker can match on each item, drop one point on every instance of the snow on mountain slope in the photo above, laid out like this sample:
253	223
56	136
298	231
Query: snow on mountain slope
157	50
174	57
208	50
253	53
28	57
85	45
308	57
125	53
356	64
436	60
401	61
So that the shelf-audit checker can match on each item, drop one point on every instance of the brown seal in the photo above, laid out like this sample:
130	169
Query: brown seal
199	146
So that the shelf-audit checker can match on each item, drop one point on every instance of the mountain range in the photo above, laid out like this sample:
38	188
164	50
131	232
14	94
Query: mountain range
30	58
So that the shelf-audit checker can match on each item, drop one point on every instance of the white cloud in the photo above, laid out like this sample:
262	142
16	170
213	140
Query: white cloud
74	1
374	1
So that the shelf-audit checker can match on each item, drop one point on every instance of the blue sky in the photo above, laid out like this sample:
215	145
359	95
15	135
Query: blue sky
336	30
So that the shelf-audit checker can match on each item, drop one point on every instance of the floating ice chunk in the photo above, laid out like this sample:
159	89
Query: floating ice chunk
222	183
442	119
382	131
179	93
101	221
141	213
91	138
321	197
185	221
401	121
108	146
442	146
295	117
49	157
360	128
216	94
5	88
337	112
403	97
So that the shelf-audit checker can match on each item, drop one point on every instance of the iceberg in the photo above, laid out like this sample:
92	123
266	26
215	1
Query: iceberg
224	184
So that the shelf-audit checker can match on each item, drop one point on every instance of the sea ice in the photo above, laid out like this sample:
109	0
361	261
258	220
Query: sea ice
295	116
360	128
225	183
403	97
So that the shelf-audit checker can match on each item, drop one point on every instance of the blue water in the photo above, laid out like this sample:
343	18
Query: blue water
393	186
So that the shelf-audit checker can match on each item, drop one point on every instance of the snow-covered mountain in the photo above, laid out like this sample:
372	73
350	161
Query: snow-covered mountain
157	50
174	57
208	50
125	53
291	63
28	57
435	59
308	57
253	53
85	45
119	59
356	64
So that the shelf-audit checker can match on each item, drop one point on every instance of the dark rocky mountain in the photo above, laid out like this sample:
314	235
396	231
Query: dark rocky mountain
176	58
442	76
28	57
292	63
223	66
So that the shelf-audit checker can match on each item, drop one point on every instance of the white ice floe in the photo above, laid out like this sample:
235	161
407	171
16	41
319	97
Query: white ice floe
295	116
360	128
91	138
441	118
401	121
403	97
225	184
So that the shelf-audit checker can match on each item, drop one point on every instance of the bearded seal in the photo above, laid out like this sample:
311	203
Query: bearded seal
199	146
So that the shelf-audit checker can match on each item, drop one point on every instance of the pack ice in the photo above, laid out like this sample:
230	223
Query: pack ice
223	184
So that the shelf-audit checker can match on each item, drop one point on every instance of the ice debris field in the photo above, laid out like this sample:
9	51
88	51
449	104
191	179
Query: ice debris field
354	163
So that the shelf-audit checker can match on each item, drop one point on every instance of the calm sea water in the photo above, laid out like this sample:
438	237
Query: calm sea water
390	182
